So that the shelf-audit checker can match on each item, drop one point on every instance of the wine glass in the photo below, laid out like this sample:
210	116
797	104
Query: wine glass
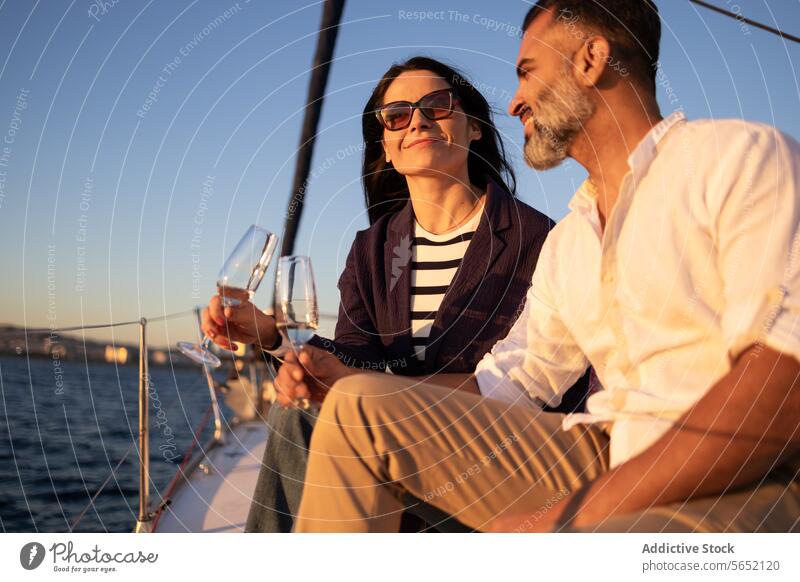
237	281
296	312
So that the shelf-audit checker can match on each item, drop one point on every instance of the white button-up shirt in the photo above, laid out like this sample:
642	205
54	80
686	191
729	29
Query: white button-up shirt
700	258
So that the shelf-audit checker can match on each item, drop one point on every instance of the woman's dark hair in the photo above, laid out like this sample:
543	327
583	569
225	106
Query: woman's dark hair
385	189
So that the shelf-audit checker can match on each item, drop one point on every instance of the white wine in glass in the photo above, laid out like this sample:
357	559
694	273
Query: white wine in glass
237	282
296	311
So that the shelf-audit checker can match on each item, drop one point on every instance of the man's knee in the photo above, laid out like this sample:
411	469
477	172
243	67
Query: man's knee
341	403
364	384
354	403
369	398
338	416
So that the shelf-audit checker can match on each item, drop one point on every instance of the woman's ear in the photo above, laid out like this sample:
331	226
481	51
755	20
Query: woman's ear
475	132
386	153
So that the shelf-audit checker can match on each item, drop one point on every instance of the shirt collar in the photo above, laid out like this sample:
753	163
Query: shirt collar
639	161
584	199
645	152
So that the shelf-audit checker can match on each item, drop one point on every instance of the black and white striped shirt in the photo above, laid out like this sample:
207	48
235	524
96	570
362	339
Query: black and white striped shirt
435	261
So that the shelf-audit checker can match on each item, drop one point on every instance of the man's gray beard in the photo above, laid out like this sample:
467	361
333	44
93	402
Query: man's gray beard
563	110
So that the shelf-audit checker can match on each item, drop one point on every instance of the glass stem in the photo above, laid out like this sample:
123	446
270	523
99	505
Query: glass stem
205	343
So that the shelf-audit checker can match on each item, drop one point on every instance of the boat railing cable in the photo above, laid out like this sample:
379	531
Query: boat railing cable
177	314
38	330
144	521
145	516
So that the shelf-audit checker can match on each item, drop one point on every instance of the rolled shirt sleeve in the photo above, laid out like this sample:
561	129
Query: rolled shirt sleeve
538	361
759	243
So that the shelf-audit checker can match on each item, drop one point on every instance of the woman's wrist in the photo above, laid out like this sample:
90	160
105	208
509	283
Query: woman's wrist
274	344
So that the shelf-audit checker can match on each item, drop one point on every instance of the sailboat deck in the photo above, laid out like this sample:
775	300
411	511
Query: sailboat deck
216	496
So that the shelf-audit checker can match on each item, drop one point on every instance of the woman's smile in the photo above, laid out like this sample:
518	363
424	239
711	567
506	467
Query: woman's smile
423	141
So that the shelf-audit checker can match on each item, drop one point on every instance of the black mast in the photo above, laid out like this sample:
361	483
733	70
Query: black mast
326	41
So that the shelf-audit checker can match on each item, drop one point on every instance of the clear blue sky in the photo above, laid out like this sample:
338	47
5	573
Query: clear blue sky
102	182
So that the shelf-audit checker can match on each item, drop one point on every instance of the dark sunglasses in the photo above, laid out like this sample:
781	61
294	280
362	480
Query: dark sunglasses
397	114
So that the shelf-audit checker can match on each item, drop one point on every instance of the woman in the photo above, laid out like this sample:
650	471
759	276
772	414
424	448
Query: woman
438	277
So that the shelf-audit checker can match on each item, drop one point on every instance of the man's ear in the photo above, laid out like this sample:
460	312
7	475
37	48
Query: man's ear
592	59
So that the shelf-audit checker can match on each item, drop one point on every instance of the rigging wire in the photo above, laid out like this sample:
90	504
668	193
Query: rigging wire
91	501
741	18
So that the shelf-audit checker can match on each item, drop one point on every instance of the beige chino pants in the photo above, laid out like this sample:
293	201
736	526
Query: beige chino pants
379	437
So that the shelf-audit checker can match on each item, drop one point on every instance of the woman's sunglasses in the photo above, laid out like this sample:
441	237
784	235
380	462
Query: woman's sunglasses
397	114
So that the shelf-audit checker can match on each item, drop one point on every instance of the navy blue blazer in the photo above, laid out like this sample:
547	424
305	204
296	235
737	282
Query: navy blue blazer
486	296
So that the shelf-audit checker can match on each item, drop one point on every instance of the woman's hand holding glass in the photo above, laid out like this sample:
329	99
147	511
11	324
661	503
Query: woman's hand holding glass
237	282
309	375
243	323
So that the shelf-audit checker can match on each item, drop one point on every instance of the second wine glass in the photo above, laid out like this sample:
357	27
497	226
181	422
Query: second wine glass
296	312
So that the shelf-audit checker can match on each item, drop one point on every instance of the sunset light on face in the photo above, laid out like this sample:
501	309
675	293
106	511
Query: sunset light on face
337	266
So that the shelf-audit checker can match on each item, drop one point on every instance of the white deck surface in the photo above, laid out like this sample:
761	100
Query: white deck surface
220	500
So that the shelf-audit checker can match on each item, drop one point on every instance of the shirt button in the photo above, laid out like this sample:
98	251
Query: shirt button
608	278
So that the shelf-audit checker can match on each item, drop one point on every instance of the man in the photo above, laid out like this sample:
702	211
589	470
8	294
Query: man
676	275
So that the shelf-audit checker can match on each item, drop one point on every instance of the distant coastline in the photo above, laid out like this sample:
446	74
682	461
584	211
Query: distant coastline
14	341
